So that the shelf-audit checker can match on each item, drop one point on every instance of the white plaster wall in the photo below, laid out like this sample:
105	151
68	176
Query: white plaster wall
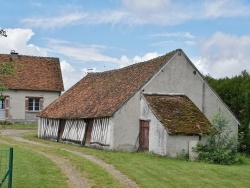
157	133
178	77
17	101
179	144
126	125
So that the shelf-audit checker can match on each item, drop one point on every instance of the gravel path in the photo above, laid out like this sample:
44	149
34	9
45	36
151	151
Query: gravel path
74	178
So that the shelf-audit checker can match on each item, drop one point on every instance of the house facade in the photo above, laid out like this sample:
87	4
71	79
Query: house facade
113	109
36	82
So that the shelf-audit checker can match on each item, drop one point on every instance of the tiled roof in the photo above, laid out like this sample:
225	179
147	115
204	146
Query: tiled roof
101	94
178	114
33	73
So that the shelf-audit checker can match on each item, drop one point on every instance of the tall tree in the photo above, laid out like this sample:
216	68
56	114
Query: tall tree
235	92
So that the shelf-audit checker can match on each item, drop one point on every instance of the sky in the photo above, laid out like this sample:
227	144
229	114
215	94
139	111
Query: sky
100	35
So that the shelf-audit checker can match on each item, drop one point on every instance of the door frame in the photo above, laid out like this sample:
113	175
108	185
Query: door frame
88	131
144	136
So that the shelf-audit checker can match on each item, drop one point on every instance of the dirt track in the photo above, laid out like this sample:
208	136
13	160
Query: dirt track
75	180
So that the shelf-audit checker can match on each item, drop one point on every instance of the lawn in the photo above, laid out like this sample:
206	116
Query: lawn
149	170
146	169
33	170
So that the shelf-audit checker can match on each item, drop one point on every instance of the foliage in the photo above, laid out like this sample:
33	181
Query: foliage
235	92
6	68
33	170
221	145
151	170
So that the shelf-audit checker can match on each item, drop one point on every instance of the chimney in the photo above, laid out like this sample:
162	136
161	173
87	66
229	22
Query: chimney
13	55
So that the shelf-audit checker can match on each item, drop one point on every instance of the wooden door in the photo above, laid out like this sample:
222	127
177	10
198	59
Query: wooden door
61	129
88	131
144	135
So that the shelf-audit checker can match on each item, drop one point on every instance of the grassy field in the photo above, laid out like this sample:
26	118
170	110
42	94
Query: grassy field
149	170
146	169
33	170
18	126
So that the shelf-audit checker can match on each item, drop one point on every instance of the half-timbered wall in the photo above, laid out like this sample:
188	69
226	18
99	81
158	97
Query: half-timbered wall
74	130
101	132
48	128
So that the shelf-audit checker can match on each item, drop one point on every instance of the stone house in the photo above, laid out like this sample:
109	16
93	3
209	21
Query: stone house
160	106
36	82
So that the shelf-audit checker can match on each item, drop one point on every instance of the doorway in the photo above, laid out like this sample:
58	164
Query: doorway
144	135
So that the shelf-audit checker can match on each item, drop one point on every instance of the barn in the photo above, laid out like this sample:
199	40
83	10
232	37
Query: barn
160	105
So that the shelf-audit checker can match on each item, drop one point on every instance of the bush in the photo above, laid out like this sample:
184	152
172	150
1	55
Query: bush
221	144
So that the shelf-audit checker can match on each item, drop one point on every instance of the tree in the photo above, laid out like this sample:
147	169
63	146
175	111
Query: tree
235	92
3	33
221	145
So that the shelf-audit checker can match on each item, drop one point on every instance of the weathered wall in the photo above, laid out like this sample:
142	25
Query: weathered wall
125	128
179	76
178	145
157	133
17	99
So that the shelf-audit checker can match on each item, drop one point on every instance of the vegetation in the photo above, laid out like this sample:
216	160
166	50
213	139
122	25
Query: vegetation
6	68
150	170
7	125
33	170
221	145
235	92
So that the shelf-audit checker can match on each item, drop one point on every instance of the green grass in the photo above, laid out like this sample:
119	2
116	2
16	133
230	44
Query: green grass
97	176
149	170
33	170
18	126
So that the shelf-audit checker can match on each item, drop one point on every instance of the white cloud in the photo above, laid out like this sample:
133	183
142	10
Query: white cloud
145	6
224	55
139	12
224	8
71	75
125	61
17	40
79	52
57	21
176	34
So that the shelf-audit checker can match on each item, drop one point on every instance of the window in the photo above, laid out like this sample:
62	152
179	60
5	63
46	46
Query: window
34	104
2	106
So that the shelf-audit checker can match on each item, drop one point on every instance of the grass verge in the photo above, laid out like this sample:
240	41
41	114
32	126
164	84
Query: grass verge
149	170
97	176
18	126
33	170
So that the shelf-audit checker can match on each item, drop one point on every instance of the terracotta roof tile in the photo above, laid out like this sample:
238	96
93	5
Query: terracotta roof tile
101	94
33	73
178	114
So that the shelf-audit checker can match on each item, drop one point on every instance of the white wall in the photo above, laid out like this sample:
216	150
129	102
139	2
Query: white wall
125	127
17	101
157	133
178	77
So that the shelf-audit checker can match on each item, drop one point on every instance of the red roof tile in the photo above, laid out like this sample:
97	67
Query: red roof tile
33	73
101	94
178	114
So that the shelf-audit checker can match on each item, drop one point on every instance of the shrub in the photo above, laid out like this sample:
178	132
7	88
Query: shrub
221	144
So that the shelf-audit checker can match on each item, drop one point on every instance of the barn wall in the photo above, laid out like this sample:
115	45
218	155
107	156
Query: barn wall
125	131
179	76
157	133
48	128
178	145
17	104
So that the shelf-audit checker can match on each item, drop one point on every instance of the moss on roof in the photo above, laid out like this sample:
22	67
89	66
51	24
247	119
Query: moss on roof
33	73
178	114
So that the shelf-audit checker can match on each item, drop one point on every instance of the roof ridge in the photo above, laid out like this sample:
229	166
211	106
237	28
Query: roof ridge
136	64
32	56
